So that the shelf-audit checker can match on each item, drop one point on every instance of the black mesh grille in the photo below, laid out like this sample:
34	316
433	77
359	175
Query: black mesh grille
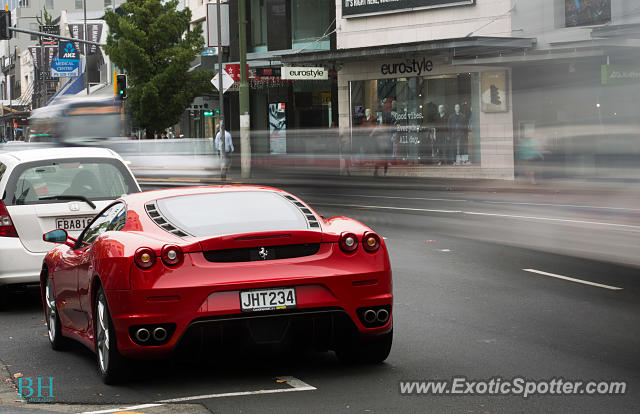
262	253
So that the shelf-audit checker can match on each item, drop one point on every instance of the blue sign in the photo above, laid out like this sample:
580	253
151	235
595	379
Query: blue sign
65	68
67	50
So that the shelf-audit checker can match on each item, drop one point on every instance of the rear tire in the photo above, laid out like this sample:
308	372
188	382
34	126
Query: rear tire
373	351
111	365
54	326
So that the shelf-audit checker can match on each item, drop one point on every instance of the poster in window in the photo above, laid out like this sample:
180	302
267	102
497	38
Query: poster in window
495	96
277	128
586	12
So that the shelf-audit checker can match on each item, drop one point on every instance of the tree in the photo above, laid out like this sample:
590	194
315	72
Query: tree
47	19
150	41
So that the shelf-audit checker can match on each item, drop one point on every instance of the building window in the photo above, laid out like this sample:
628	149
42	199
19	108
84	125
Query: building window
35	27
48	4
258	11
311	22
107	3
78	4
420	120
586	12
24	3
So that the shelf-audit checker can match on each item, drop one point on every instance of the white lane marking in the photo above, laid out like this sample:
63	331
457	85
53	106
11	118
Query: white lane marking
444	250
115	410
570	279
474	213
479	201
560	205
387	197
596	223
389	208
294	383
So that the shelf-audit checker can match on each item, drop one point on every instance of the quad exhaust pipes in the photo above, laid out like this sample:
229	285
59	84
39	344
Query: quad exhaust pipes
375	317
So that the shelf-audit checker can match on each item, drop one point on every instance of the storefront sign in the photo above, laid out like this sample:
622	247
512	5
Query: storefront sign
356	8
94	31
77	32
65	68
620	74
408	67
304	73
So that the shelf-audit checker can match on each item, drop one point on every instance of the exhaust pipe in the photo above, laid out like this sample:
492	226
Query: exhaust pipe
143	335
383	315
370	316
159	334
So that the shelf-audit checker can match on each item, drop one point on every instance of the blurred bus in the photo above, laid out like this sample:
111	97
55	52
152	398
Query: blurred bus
78	121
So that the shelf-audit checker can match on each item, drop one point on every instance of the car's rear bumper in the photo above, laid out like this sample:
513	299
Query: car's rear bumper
321	301
17	265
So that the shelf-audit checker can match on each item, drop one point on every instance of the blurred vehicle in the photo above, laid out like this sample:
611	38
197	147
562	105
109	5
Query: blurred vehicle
75	121
236	264
50	188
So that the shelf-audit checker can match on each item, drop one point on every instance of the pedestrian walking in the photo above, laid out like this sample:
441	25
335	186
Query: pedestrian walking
225	153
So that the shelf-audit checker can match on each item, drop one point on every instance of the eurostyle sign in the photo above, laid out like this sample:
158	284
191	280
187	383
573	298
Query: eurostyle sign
620	75
304	73
356	8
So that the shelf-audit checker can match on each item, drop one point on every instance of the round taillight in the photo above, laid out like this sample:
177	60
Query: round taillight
172	255
145	258
348	242
371	242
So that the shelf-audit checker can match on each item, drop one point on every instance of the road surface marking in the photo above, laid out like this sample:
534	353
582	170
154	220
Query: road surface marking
570	279
117	410
474	213
386	197
477	201
294	384
560	205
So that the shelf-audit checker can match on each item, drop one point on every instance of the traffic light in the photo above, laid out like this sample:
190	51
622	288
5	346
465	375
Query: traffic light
5	24
121	86
208	113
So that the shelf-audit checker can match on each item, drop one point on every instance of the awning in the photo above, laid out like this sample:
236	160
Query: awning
459	47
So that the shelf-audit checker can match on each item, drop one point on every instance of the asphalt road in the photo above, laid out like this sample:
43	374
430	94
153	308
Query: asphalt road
464	306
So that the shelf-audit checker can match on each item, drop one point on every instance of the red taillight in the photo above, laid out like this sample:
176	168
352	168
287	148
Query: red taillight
7	228
371	242
172	255
348	242
145	258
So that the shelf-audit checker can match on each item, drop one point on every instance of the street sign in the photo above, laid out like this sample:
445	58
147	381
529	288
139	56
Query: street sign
212	24
50	29
65	68
67	50
227	81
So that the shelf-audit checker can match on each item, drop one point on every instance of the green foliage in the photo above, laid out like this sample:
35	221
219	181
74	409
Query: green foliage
148	40
47	19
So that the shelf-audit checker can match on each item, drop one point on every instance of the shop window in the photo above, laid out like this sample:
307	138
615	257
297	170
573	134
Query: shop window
415	120
311	22
587	12
258	22
79	4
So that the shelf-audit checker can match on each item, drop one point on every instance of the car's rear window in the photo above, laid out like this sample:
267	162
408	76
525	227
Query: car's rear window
95	179
213	214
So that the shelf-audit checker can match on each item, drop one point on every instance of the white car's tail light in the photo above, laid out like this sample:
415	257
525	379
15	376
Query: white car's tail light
348	242
172	255
371	242
145	258
7	229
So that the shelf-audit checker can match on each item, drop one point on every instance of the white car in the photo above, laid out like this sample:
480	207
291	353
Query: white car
49	188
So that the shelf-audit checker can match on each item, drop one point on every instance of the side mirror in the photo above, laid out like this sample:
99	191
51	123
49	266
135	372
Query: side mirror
55	236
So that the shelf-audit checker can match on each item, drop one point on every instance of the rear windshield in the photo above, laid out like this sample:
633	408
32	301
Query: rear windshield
42	181
204	215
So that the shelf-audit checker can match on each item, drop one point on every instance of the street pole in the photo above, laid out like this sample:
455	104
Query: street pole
245	124
223	141
86	47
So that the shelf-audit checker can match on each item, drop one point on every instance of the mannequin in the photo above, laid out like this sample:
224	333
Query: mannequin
458	130
442	135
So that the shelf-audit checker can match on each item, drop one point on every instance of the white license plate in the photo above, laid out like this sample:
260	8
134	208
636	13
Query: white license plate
72	223
267	299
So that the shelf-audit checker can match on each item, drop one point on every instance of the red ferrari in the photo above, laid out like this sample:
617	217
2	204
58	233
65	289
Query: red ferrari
248	264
